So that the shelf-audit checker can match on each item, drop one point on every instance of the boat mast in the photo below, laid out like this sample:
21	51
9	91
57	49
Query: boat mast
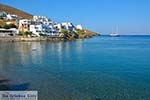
117	29
112	32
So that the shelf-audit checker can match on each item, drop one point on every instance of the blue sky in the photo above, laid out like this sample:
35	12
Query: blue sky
132	16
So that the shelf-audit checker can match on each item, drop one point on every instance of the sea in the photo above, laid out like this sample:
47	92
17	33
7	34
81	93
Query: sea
99	68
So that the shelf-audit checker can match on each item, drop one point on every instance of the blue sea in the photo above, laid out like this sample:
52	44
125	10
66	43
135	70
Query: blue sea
99	68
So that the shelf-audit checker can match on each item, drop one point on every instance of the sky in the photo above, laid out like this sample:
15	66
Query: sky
131	16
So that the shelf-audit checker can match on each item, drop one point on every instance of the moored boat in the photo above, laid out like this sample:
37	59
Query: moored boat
115	34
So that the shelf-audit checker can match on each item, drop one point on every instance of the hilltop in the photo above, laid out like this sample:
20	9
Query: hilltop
12	10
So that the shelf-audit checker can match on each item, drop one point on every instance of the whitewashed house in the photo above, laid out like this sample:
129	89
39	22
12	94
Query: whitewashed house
54	31
46	26
58	27
12	17
8	32
38	28
42	19
68	26
79	27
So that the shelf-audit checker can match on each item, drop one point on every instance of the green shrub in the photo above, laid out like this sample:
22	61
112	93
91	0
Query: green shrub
25	33
21	34
28	33
12	26
42	35
80	32
8	26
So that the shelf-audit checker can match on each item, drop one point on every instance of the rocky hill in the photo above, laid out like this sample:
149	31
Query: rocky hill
12	10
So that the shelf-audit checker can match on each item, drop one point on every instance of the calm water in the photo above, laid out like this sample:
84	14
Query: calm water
101	68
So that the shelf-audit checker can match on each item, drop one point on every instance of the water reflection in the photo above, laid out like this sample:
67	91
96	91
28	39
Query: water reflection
26	55
80	70
27	63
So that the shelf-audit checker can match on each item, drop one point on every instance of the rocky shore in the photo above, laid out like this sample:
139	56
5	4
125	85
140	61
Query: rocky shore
51	39
29	39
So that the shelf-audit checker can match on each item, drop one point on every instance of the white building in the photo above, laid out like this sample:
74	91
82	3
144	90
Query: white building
58	27
42	19
8	32
79	27
7	16
54	31
39	28
12	17
68	26
65	25
44	26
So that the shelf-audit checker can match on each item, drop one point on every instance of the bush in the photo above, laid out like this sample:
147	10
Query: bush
69	34
12	26
25	33
28	33
43	35
64	31
21	34
8	26
80	32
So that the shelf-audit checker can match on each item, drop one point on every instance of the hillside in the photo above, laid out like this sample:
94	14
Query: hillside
12	10
22	14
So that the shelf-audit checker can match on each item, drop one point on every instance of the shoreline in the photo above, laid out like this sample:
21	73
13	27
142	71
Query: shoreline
39	39
16	38
29	39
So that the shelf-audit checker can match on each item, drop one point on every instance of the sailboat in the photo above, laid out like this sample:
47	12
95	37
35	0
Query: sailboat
115	34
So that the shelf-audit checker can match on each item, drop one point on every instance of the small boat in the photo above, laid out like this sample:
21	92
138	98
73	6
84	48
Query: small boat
115	34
